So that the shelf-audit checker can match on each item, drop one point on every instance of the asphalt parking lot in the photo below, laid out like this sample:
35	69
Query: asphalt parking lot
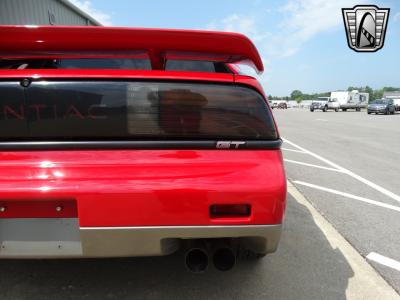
347	165
313	262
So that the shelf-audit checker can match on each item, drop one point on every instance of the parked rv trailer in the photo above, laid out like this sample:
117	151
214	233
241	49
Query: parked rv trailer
345	100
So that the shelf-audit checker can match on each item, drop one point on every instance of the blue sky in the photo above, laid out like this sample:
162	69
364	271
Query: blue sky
302	42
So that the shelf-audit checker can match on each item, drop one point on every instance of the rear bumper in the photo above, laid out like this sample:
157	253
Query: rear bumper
376	110
149	241
317	107
36	238
134	188
115	203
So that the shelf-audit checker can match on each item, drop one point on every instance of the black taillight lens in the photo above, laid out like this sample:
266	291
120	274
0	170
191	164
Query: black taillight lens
230	210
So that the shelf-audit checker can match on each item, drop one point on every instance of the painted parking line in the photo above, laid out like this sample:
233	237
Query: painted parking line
292	150
311	165
348	172
332	191
383	260
364	276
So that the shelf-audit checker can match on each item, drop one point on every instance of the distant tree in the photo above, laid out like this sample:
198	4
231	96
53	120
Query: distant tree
377	94
368	89
298	100
296	94
325	94
390	89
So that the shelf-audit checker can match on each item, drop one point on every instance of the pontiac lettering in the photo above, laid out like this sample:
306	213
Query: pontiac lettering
44	111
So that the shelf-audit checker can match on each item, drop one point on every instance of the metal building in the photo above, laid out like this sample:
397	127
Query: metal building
43	12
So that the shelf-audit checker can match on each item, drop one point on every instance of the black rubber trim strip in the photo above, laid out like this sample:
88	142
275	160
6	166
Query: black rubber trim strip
100	145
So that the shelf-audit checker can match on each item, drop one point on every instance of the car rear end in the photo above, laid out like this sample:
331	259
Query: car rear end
315	105
101	162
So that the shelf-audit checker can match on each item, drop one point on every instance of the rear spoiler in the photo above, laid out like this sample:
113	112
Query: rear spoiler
158	45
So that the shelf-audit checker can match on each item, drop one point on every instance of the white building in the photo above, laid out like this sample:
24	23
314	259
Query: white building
392	95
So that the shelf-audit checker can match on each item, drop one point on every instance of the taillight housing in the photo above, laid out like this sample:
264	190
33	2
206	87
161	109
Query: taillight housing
230	210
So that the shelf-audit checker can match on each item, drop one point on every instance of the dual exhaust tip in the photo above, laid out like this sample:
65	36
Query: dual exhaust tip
197	259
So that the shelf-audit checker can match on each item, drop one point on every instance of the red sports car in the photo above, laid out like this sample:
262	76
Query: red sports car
136	142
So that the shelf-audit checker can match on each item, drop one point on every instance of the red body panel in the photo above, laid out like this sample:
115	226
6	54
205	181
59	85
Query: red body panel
31	41
145	187
149	187
118	188
115	74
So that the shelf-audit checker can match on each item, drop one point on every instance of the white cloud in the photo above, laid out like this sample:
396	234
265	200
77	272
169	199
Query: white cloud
302	20
305	19
87	7
246	25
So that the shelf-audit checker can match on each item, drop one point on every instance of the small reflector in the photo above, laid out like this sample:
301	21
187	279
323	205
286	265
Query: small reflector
230	210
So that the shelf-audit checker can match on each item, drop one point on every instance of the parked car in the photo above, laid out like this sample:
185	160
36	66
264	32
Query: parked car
273	104
396	103
282	105
384	106
319	104
112	144
395	96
